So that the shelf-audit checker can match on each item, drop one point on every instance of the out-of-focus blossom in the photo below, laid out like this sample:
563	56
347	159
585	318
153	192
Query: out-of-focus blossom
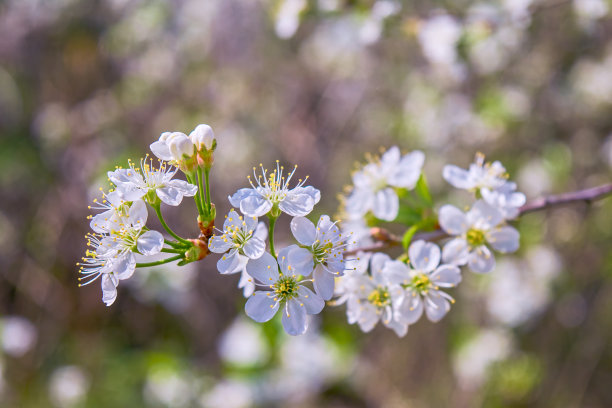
474	358
243	344
521	289
425	278
505	199
68	386
438	37
168	386
229	394
307	364
18	335
375	297
590	10
482	225
288	17
374	185
478	175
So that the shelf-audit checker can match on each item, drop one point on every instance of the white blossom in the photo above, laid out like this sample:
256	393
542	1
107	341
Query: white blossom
134	183
272	191
202	137
375	297
374	185
422	288
479	175
321	249
112	257
287	293
241	235
173	146
473	232
505	199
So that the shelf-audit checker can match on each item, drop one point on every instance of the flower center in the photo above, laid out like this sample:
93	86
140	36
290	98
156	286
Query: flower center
320	252
475	237
239	236
380	297
421	283
286	287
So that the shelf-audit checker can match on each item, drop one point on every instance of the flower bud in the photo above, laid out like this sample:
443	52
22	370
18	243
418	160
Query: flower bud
180	145
202	137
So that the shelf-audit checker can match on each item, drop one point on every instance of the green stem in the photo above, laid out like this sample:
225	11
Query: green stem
206	176
166	227
163	261
196	197
201	192
175	244
173	251
271	234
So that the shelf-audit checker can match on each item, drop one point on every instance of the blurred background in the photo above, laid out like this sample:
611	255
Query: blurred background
85	85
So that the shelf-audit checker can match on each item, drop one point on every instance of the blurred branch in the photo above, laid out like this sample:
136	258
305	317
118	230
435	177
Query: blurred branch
386	239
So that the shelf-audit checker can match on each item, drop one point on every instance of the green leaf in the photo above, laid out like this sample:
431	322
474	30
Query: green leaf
422	191
408	235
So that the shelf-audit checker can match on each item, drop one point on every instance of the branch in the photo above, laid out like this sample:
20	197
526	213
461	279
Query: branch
385	239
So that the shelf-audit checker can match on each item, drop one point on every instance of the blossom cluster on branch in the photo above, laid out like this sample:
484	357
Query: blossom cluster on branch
388	193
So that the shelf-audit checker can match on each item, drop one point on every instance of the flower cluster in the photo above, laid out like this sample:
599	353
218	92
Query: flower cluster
280	281
484	225
299	278
392	188
120	239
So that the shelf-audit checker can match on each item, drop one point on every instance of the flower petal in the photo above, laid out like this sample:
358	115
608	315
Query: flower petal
301	261
483	216
323	282
436	306
170	195
456	251
297	205
109	290
411	308
264	269
261	306
254	248
219	244
313	302
228	263
150	243
294	319
386	205
457	177
452	220
424	256
124	266
407	173
359	202
240	195
504	239
138	214
446	276
303	230
255	206
395	272
161	150
185	188
481	260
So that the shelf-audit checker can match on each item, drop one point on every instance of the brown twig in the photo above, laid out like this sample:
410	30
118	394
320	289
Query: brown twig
385	239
